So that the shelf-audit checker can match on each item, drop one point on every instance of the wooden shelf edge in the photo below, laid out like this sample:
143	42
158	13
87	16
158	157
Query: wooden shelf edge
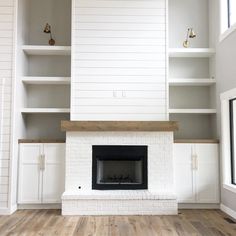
63	141
41	141
119	126
197	141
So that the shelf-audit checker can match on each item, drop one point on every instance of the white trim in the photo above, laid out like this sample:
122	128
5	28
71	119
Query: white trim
225	137
223	5
12	207
2	84
72	73
8	211
224	30
230	187
230	94
228	211
167	62
5	212
228	32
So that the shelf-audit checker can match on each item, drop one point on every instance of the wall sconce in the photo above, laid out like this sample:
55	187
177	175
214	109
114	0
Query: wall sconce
190	35
47	30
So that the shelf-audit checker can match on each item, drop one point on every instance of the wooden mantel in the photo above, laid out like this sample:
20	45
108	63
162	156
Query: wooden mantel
137	126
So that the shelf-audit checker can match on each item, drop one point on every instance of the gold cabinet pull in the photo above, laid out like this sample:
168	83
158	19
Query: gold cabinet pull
43	162
194	162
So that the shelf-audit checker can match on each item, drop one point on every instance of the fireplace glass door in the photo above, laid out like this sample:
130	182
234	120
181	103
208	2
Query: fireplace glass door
119	167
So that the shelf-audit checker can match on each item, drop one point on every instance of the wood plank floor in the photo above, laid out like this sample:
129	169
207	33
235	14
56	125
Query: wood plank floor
50	222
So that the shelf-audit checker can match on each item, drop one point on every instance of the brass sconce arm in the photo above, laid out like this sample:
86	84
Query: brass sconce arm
47	30
190	35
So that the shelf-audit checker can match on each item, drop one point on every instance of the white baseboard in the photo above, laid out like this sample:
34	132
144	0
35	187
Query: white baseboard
8	211
198	206
38	206
228	211
4	211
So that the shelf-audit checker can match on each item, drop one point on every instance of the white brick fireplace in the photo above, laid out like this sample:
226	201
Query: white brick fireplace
119	76
79	197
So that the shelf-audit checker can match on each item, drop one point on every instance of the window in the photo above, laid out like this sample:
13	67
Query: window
231	12
232	110
228	139
227	18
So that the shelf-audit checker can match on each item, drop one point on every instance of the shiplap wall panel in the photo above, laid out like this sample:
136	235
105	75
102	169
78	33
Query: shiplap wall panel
130	4
119	86
122	11
6	68
119	49
119	34
119	60
118	94
118	71
122	102
121	79
121	117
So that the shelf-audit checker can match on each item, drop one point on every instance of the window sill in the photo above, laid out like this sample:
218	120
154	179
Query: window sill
228	32
230	187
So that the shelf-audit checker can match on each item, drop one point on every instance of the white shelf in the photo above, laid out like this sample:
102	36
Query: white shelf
44	110
46	50
191	82
45	80
191	52
192	111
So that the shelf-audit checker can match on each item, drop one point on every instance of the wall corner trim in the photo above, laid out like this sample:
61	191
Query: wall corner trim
8	211
228	211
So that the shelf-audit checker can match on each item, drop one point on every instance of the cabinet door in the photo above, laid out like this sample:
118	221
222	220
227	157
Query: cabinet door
183	173
29	190
207	174
53	175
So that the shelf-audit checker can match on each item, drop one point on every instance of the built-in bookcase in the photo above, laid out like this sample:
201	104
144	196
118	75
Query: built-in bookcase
191	74
43	71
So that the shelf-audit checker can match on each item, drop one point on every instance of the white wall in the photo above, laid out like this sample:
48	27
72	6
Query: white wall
119	60
57	15
186	14
6	74
226	79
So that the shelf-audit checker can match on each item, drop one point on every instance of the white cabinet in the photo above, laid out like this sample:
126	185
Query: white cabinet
207	173
183	172
196	173
41	173
30	176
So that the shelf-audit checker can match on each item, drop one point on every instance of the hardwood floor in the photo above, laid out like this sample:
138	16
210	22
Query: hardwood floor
50	222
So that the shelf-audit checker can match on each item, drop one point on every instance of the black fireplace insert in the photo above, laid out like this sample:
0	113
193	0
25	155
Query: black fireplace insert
119	167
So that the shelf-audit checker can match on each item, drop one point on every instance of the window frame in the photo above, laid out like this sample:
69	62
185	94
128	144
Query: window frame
228	12
232	140
226	141
230	24
226	28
